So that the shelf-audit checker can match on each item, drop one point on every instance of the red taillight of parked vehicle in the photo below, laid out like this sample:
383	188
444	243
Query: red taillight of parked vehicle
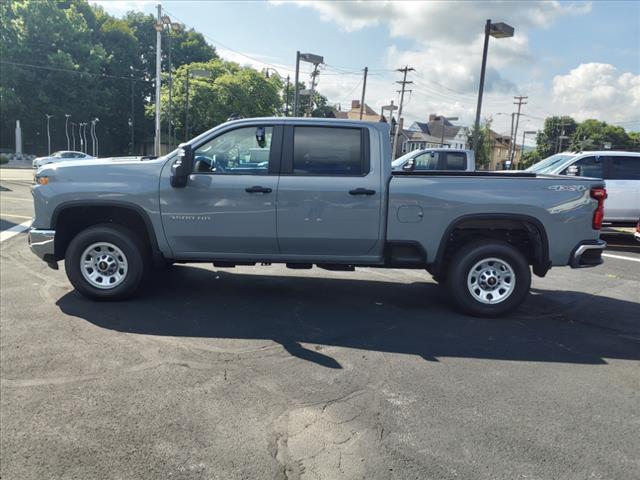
599	194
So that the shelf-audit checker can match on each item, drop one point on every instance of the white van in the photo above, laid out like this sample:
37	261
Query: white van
620	170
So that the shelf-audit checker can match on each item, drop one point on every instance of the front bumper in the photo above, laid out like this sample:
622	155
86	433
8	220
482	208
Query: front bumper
587	254
41	243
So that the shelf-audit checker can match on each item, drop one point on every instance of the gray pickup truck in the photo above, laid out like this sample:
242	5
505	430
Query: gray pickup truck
310	192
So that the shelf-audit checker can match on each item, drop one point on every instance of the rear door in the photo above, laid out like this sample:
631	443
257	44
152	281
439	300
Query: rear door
623	187
329	193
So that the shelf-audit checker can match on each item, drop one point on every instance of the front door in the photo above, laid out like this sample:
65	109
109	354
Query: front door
329	196
228	207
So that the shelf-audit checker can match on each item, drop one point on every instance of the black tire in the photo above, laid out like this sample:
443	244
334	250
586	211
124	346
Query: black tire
128	243
467	258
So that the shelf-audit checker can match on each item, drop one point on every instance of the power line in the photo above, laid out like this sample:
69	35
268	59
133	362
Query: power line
57	69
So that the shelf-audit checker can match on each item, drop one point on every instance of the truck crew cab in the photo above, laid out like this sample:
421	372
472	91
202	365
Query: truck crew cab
307	192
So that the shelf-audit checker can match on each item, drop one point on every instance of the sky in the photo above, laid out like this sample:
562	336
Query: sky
572	58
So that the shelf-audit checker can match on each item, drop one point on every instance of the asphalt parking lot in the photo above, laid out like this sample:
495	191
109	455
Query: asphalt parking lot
261	373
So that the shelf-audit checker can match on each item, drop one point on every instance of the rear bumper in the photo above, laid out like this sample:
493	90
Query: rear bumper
41	243
587	254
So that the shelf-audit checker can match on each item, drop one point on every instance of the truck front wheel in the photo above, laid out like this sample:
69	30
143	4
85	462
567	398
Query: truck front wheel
105	262
488	278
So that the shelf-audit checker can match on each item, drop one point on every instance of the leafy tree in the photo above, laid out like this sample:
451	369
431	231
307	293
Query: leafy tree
229	89
529	158
483	152
69	57
548	139
593	135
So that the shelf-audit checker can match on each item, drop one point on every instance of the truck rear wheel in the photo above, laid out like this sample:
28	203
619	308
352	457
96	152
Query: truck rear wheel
105	262
488	278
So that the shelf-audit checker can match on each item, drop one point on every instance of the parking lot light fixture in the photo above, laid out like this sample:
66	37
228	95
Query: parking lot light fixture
304	57
495	30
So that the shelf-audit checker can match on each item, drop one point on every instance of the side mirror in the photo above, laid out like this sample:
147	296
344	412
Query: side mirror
573	170
182	167
408	166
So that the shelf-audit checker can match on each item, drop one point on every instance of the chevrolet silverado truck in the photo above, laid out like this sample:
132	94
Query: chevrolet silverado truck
307	192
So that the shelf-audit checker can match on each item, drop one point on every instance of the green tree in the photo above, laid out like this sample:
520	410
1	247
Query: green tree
69	57
596	135
229	89
529	158
548	140
483	152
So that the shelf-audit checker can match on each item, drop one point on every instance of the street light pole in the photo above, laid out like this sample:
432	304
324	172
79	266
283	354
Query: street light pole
158	73
73	134
95	134
496	30
48	134
66	129
295	85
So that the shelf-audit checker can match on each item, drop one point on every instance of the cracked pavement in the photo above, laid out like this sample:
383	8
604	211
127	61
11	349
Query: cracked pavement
269	373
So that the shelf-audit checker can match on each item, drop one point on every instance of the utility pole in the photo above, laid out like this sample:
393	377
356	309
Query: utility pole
158	73
513	115
519	101
404	83
295	85
314	74
364	89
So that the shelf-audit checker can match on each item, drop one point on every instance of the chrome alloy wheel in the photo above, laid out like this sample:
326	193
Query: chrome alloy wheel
103	265
491	281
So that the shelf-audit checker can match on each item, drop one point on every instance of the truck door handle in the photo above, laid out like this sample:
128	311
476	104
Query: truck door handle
257	189
361	191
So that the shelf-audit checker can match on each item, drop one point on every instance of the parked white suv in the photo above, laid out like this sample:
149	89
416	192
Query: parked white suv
620	170
61	156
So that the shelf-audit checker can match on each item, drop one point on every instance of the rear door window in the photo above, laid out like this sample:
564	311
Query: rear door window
454	160
328	151
624	168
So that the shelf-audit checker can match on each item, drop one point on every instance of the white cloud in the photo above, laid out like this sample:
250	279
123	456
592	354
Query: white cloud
122	6
598	90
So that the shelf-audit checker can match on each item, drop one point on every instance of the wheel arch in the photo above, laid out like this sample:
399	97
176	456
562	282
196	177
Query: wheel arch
490	223
69	218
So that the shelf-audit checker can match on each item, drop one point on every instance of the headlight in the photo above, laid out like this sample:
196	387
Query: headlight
41	180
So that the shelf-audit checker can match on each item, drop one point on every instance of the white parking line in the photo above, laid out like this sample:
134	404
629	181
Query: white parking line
14	216
620	257
13	231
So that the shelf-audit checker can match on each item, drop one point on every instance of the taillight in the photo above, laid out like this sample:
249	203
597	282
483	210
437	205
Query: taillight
599	194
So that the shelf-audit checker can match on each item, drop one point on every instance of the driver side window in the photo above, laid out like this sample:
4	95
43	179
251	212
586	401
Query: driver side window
244	151
426	161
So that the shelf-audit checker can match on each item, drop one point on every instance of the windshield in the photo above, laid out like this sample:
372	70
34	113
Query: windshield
57	154
399	161
544	166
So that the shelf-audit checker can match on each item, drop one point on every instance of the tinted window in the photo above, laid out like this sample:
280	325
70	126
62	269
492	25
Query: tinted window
455	161
244	151
426	161
587	167
625	168
327	151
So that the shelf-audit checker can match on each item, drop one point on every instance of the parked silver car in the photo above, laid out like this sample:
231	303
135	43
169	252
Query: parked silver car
61	156
620	170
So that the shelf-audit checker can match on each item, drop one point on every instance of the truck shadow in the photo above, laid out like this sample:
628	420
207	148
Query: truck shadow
381	316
